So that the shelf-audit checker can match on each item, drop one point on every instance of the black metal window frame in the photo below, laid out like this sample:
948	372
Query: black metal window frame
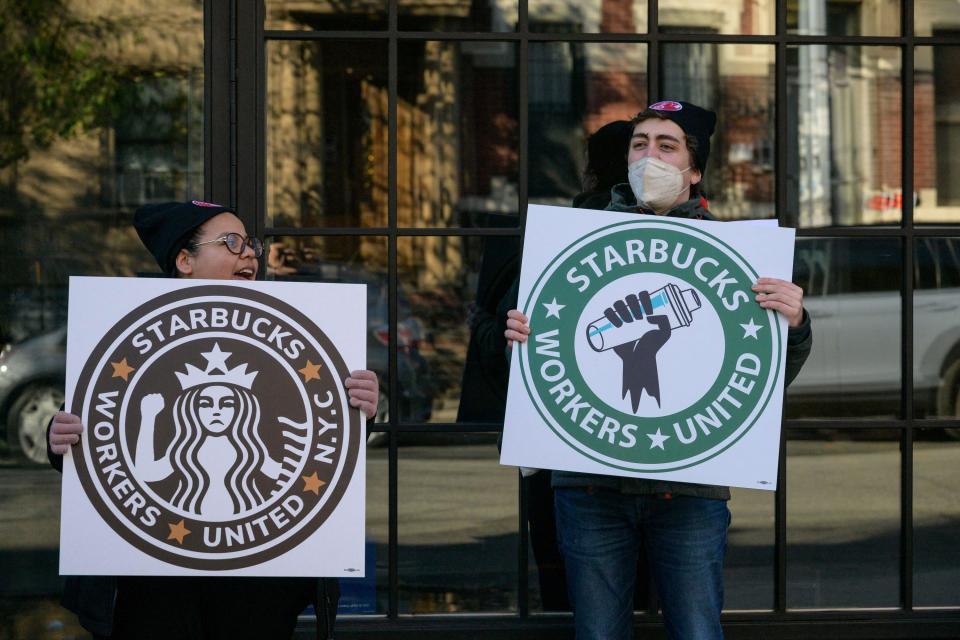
235	143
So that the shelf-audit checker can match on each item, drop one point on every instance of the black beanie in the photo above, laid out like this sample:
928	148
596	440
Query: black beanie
695	121
165	228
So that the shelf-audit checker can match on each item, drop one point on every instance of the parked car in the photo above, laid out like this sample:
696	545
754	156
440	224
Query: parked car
31	391
853	294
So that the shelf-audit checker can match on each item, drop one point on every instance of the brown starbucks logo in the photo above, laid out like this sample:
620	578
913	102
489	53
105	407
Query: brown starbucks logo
219	433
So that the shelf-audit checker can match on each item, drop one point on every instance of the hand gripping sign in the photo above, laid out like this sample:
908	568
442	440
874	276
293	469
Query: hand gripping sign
218	432
648	355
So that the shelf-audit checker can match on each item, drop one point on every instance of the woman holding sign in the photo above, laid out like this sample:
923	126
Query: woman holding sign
202	240
603	521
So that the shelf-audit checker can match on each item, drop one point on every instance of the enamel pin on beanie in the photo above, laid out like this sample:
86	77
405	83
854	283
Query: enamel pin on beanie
697	122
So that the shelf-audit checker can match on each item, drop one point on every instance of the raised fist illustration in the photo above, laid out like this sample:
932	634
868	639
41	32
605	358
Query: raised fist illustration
639	356
151	404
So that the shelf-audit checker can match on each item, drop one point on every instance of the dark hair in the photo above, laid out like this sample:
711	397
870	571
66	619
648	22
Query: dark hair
606	156
696	190
187	241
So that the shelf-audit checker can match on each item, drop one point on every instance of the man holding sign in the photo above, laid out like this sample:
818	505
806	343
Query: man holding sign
685	297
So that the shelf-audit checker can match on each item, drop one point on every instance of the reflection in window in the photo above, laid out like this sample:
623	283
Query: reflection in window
844	18
464	15
936	168
346	260
574	89
748	564
159	140
844	143
736	81
457	133
326	16
457	514
936	518
438	276
852	293
935	18
843	518
745	17
588	16
936	334
326	134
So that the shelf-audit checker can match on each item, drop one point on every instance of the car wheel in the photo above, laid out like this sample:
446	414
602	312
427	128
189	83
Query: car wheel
948	398
28	419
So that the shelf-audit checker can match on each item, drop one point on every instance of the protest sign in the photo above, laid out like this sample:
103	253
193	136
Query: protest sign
218	432
648	355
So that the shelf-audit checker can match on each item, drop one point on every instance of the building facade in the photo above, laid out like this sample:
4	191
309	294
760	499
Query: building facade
398	143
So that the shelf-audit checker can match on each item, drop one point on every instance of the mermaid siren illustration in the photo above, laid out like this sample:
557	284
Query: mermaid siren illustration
217	453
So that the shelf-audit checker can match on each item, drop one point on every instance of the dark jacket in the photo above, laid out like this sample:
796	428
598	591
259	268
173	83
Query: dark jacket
799	341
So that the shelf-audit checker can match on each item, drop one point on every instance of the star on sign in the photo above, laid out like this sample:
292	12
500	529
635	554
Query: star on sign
553	309
310	371
216	359
750	329
657	439
312	483
178	531
121	370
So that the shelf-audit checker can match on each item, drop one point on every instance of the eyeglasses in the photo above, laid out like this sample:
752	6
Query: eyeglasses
236	242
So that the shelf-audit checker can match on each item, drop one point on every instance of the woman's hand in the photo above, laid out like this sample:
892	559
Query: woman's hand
781	296
518	329
64	432
364	391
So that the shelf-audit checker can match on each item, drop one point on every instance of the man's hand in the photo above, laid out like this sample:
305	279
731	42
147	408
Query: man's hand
518	328
64	432
781	296
364	391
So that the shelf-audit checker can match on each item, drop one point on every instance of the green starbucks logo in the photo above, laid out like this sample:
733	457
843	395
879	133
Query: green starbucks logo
648	352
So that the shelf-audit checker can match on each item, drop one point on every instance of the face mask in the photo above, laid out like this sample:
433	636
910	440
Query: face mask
655	183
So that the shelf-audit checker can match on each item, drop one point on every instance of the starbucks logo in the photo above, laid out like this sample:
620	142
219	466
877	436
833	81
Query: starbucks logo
648	352
219	433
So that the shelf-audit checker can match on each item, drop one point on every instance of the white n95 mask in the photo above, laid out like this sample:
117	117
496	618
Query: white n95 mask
655	183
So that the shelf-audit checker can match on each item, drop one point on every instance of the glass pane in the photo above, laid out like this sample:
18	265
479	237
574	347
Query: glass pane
587	16
574	89
935	18
457	15
748	566
844	18
326	117
458	544
344	259
326	15
936	514
844	144
852	293
843	518
936	122
737	81
103	108
438	277
370	594
936	335
457	135
742	17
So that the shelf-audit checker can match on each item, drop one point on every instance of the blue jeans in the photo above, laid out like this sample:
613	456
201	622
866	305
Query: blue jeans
600	533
